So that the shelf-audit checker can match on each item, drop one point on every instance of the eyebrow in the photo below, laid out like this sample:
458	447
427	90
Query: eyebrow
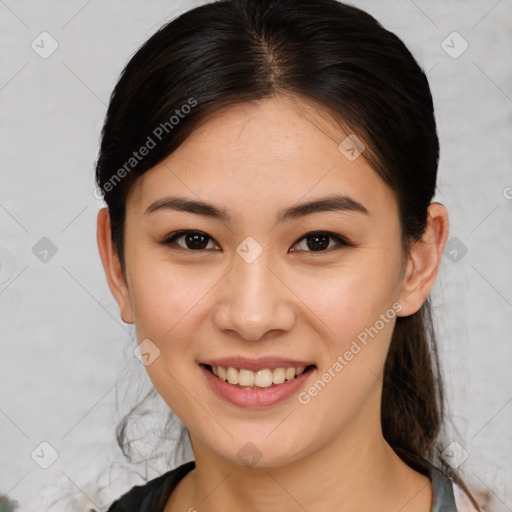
326	204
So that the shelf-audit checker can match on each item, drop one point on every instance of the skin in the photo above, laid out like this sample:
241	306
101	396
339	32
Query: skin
254	160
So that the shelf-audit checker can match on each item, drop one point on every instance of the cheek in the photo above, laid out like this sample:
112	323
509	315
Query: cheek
357	309
350	298
166	303
165	297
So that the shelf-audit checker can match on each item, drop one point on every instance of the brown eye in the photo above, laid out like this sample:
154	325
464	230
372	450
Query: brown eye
192	240
319	241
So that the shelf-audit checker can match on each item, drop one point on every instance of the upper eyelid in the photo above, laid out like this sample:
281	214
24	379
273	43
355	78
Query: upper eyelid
178	234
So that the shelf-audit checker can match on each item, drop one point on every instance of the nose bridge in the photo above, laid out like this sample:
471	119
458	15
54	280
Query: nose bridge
253	282
254	300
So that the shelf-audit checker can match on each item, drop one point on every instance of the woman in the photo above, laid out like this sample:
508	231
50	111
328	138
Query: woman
269	168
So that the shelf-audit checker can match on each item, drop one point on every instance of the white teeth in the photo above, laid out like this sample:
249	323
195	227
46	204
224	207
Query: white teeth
223	374
232	376
246	378
262	378
278	376
290	373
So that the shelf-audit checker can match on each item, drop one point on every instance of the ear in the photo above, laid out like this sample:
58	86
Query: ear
112	266
424	260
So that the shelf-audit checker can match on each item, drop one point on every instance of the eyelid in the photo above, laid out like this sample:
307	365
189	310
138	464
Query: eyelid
342	240
170	240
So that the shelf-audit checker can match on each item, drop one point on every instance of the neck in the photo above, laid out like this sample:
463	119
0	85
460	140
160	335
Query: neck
356	471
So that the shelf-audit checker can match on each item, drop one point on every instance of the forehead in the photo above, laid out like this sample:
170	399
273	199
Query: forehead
263	155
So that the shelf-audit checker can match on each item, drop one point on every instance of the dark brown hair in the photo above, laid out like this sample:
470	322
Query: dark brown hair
334	55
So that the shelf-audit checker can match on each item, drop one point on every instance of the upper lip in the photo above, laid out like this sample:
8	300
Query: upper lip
257	364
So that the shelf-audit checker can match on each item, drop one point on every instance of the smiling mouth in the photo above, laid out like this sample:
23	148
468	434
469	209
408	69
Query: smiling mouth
261	379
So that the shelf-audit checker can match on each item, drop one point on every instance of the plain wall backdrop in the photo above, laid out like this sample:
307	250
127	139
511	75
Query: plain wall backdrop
66	356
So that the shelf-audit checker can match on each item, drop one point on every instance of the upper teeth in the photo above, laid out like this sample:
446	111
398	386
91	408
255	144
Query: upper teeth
261	378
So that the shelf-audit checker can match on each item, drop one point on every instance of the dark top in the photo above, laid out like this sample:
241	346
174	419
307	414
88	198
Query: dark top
153	495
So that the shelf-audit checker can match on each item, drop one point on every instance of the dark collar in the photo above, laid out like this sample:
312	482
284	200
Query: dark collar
443	499
154	495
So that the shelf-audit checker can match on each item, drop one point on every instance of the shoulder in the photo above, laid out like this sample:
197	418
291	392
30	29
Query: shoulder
462	502
153	495
447	495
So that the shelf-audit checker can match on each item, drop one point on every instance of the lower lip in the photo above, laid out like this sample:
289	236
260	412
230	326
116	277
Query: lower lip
256	398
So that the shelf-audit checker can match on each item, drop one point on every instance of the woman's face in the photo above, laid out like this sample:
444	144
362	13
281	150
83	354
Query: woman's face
257	290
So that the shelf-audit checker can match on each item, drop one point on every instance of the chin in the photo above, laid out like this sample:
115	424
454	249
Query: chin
262	452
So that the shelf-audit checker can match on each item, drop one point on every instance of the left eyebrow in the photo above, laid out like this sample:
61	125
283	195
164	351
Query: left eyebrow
325	204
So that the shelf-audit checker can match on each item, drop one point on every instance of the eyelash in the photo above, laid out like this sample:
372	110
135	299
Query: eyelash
342	241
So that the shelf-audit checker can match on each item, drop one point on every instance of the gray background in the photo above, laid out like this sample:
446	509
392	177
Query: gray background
67	361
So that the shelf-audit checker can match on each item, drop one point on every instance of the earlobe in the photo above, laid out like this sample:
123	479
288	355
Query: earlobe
112	266
424	261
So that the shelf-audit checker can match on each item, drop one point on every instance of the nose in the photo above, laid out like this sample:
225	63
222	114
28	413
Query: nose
254	300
